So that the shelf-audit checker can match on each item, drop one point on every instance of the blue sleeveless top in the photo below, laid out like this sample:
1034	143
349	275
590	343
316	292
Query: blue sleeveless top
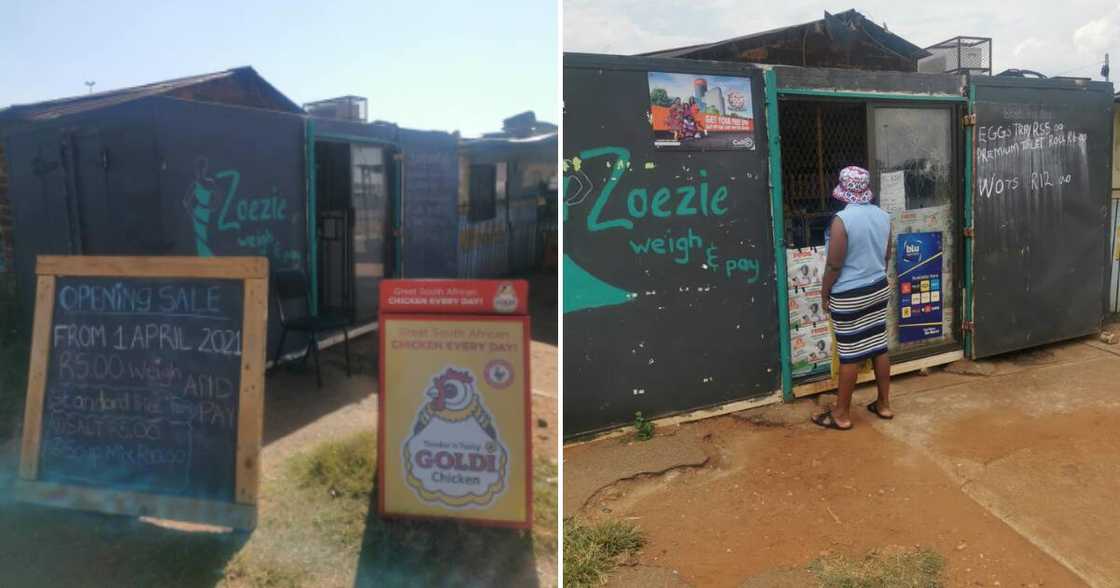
868	228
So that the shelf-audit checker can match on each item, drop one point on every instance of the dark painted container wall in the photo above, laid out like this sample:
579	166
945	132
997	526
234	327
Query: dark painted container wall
887	82
430	205
153	177
1042	211
644	332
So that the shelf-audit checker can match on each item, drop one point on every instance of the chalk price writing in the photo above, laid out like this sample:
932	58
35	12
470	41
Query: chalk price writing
139	455
150	336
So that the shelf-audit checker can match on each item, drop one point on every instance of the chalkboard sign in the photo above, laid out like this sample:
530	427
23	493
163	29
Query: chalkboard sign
144	395
1041	197
430	205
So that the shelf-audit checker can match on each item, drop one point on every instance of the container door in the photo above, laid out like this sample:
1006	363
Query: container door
1041	198
669	272
40	185
914	162
370	202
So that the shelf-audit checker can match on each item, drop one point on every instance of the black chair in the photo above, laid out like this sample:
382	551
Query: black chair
292	294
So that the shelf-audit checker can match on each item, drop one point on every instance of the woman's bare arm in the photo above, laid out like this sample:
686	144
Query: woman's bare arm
834	262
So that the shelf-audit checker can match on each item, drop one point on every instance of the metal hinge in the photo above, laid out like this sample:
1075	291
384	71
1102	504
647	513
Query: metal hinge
968	120
968	326
969	232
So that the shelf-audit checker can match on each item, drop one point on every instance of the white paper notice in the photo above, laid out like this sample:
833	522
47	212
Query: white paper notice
892	192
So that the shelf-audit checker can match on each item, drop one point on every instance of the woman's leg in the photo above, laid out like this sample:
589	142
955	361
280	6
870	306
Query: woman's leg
883	381
842	411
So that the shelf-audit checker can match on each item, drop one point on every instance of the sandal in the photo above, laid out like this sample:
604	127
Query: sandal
874	408
826	420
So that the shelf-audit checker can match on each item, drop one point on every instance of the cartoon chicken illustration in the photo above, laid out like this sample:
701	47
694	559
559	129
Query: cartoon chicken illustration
455	456
506	298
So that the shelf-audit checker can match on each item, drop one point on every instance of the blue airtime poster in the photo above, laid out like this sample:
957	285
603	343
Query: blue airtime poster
919	286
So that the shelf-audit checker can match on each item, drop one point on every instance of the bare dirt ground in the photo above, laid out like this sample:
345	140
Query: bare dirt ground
1011	477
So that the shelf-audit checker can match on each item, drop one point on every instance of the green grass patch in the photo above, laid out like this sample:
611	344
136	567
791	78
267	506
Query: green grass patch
886	568
545	485
244	571
592	551
337	478
334	486
340	468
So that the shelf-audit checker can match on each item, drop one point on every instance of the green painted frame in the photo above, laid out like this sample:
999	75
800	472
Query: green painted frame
970	241
312	211
312	202
869	95
777	216
773	138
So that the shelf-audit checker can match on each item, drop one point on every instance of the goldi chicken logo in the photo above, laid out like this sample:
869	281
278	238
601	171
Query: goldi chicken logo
454	456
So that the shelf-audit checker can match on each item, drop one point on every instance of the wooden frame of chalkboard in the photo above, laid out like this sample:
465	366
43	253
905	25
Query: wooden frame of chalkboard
251	275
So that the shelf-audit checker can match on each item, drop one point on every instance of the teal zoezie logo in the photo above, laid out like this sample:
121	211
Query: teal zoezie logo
200	199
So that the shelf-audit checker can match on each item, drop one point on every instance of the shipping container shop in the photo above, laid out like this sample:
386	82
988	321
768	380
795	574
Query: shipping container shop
696	198
223	164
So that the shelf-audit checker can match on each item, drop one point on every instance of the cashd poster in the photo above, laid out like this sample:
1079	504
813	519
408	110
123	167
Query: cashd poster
453	440
700	112
919	286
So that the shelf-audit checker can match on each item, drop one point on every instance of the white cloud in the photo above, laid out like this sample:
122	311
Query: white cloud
1043	36
604	27
1097	36
1028	44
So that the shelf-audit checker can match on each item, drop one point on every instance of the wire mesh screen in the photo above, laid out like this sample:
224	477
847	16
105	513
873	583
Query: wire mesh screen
818	140
959	55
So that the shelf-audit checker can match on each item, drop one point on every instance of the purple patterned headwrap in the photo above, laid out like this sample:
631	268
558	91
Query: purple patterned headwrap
854	186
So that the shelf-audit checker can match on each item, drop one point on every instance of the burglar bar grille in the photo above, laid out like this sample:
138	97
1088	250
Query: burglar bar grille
818	140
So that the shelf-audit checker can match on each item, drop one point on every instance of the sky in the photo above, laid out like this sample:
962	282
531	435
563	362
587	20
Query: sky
435	64
1068	37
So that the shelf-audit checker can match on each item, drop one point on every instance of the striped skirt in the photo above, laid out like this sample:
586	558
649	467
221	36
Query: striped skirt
859	319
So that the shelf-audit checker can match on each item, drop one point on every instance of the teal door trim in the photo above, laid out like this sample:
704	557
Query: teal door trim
312	228
969	237
867	95
777	215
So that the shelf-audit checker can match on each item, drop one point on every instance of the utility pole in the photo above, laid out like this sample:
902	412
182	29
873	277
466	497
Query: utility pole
1104	68
90	86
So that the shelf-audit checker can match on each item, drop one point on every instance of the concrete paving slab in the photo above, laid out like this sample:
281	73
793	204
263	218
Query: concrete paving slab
1038	447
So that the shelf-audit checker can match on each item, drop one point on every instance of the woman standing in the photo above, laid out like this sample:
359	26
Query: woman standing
855	293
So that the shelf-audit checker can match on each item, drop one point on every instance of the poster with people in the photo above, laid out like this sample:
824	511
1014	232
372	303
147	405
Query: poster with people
700	112
919	286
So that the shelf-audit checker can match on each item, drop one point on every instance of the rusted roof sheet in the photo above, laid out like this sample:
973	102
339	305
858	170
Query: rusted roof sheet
251	90
886	38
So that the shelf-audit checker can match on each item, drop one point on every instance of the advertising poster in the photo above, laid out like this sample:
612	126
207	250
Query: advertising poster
810	349
700	112
453	437
919	286
892	192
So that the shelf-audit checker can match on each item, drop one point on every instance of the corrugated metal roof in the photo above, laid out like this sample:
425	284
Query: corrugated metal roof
881	35
51	109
